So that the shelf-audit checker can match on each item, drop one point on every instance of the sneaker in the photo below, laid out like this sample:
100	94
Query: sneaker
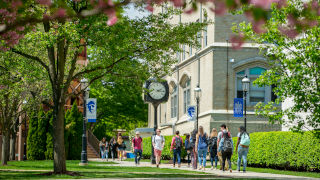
179	165
204	169
230	170
215	168
157	165
238	170
174	165
220	167
244	171
200	167
211	167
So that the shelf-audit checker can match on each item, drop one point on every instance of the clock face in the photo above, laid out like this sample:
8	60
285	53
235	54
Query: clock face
157	90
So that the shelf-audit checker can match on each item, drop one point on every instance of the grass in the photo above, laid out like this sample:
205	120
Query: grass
275	171
36	169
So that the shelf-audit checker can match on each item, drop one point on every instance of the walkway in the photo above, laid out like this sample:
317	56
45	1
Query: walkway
216	172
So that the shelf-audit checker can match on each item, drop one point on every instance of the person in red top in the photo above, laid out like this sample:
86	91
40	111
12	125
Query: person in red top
137	147
176	146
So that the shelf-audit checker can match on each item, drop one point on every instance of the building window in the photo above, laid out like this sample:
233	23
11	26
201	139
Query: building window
186	96
183	52
174	102
256	93
205	34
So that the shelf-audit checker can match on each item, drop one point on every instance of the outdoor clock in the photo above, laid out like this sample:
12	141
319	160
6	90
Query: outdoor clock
157	91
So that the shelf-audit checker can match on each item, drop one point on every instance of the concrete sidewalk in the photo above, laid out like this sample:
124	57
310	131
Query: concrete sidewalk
234	174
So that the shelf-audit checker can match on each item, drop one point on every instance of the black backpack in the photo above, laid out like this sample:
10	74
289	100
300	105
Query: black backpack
212	143
177	142
227	144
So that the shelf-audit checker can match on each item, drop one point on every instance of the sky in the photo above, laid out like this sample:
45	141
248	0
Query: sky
132	12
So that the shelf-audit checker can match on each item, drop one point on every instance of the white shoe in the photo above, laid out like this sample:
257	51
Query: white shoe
212	168
200	167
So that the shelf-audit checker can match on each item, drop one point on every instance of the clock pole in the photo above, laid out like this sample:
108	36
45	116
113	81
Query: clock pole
155	127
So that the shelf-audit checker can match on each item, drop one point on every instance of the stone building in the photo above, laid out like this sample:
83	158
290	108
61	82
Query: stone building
218	69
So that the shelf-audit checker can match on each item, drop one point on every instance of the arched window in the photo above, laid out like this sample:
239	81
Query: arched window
256	93
186	96
174	102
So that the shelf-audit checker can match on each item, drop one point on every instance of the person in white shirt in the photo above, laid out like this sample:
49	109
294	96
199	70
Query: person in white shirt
158	144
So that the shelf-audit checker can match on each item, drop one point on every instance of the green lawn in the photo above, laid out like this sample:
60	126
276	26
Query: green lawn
146	160
36	169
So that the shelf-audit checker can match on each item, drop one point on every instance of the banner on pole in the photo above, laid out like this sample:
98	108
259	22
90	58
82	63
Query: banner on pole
238	107
91	109
191	113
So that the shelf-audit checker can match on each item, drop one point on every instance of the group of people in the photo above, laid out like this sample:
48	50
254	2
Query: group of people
116	147
197	144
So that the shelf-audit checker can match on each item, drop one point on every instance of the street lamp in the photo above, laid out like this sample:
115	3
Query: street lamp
25	134
86	89
245	87
197	96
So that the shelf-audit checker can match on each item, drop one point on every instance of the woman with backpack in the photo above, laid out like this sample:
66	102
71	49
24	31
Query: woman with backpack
213	147
202	147
188	148
226	149
176	146
113	148
242	147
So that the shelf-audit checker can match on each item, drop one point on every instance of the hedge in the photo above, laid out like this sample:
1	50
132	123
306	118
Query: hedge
166	153
283	150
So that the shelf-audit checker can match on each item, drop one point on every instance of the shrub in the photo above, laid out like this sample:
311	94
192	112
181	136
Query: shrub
166	153
33	138
283	150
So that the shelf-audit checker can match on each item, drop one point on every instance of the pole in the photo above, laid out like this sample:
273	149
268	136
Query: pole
227	78
197	113
25	138
245	109
155	126
84	160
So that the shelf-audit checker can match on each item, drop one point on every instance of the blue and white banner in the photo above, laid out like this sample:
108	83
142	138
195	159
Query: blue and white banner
91	109
238	107
191	113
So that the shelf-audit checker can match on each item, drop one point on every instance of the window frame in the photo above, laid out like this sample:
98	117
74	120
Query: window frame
186	95
174	102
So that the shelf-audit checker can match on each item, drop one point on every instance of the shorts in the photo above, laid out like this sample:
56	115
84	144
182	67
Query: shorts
157	152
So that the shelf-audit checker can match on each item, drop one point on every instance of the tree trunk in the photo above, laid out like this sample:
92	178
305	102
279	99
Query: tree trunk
5	149
12	156
59	154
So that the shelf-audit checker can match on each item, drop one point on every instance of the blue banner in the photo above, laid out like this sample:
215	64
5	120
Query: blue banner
238	107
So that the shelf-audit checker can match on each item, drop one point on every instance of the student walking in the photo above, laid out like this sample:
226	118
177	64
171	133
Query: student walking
104	148
202	147
223	129
176	146
137	147
158	144
213	147
194	155
188	148
121	147
226	149
242	147
113	148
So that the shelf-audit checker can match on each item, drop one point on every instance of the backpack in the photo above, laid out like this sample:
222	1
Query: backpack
245	139
177	143
203	144
212	143
227	144
188	146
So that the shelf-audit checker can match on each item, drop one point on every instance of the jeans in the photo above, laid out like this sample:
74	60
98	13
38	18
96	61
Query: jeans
242	154
136	153
113	154
104	153
226	155
202	154
176	153
214	156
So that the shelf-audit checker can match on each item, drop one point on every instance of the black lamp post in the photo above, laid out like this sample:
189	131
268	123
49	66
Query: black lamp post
84	86
197	96
245	86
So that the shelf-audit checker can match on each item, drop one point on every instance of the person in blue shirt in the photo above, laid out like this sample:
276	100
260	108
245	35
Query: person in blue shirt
188	148
226	149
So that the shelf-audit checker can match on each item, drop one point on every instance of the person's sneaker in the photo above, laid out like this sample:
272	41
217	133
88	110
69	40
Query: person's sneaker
238	170
174	165
200	167
244	171
215	168
231	170
211	167
179	165
221	168
204	168
157	165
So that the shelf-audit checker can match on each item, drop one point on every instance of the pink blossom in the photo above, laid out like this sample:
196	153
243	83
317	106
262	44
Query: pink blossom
112	20
178	3
265	4
219	8
291	20
149	7
102	4
15	4
45	2
60	13
20	28
110	3
290	33
281	4
237	41
257	26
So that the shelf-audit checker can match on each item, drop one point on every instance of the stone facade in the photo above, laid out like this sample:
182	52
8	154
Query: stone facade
211	68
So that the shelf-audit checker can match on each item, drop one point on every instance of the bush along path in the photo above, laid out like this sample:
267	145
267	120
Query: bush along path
217	173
